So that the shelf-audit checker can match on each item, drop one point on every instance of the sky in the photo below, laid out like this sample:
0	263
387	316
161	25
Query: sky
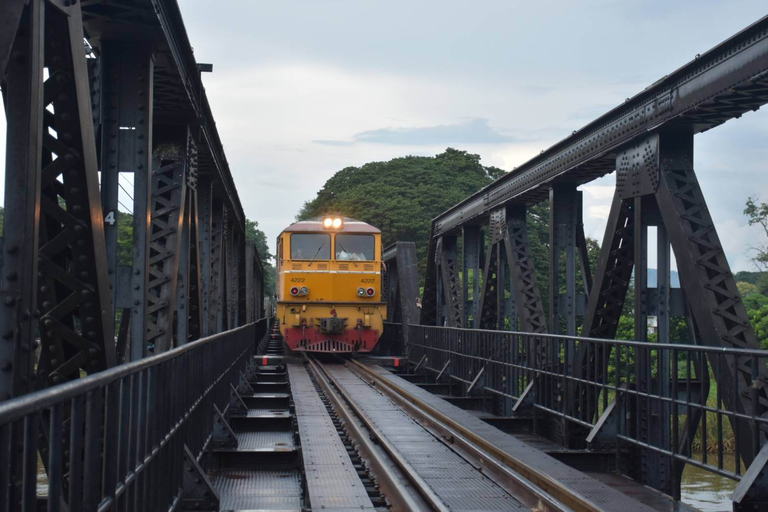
302	89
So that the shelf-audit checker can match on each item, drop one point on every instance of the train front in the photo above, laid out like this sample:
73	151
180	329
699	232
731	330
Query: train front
329	285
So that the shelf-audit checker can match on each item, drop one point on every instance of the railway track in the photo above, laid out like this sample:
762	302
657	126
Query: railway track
423	460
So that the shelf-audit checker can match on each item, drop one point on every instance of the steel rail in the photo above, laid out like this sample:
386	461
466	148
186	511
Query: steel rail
387	479
552	494
721	84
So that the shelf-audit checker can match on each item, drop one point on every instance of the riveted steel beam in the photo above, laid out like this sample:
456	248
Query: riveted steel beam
721	84
530	308
24	106
76	325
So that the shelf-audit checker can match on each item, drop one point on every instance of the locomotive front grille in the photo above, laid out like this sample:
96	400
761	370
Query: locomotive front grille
330	346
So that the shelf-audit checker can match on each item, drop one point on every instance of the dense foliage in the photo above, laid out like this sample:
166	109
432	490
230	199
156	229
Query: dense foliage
252	232
403	195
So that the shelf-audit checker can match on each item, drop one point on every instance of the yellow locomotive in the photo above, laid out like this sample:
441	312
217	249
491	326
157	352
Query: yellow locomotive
329	296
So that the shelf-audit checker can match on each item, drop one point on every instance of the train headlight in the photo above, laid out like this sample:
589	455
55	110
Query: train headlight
370	292
361	292
304	291
295	291
333	222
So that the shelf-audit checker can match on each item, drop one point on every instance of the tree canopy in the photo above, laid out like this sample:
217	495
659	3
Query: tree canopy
403	195
252	232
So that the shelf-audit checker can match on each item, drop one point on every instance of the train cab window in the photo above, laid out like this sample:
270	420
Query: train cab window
310	246
355	247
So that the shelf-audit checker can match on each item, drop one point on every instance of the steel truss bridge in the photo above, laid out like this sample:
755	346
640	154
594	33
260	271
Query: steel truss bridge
139	381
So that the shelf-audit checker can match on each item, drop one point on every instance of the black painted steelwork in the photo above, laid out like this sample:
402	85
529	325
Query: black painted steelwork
648	141
135	432
498	363
401	288
129	102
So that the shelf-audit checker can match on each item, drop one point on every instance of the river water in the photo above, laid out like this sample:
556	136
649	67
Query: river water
707	491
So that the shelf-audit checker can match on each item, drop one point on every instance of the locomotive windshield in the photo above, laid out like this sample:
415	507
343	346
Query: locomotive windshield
355	247
310	246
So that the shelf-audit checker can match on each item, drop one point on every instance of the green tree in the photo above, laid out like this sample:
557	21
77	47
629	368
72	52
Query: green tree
252	232
403	195
746	289
757	214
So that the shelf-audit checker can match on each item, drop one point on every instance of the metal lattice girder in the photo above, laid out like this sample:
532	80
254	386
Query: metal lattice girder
429	313
76	328
715	302
169	191
530	308
607	297
23	92
451	283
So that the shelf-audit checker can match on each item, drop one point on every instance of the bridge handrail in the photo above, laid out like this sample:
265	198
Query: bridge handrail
543	373
134	430
647	344
16	408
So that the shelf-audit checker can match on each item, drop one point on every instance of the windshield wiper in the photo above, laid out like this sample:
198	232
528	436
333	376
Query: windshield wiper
345	250
316	253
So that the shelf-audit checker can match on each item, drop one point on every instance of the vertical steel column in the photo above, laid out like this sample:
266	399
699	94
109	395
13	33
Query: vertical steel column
204	234
195	324
472	240
24	106
10	19
240	310
563	200
501	280
250	281
131	112
450	282
218	250
188	286
429	312
182	282
230	275
581	243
